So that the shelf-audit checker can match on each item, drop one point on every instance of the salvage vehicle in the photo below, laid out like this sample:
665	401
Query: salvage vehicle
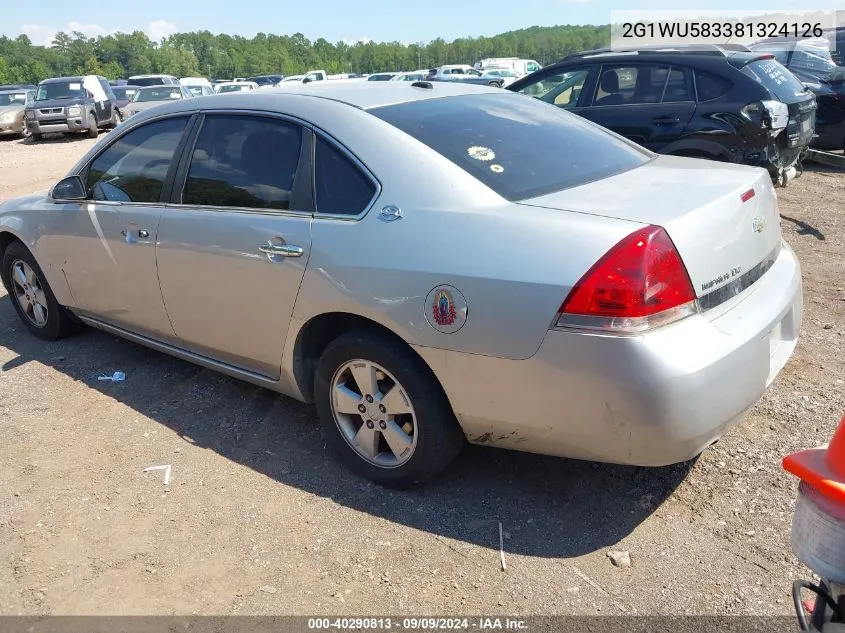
811	62
12	107
521	67
417	75
72	104
17	87
235	86
704	102
566	291
383	76
505	74
464	74
150	96
267	81
124	94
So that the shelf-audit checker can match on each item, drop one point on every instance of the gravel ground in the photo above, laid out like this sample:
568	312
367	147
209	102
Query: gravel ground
259	519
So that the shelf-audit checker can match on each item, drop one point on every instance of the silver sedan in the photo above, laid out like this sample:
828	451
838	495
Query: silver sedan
428	264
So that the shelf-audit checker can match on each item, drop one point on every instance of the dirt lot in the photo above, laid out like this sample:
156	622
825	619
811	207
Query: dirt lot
259	519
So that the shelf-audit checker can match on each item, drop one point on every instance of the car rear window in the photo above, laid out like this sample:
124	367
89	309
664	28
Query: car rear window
518	146
773	76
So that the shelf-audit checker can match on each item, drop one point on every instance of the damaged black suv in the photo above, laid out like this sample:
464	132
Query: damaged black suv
706	102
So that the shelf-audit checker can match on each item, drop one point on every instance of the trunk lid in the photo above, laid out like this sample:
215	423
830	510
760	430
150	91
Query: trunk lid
726	243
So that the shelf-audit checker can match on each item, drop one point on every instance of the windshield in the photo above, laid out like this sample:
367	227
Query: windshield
162	93
122	92
771	74
12	98
61	90
519	147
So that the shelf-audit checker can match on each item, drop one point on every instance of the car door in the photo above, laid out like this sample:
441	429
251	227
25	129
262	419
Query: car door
651	104
106	244
107	105
233	246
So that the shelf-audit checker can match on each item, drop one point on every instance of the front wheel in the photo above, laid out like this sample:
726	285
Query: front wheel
31	295
384	411
25	132
115	118
93	130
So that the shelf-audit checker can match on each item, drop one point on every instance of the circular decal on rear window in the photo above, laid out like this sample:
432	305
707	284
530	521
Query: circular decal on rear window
481	153
446	309
497	169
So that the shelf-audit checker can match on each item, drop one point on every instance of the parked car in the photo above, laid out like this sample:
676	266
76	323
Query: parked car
383	76
118	82
12	108
505	74
17	87
235	86
521	67
123	95
706	102
150	96
153	80
811	62
199	90
267	81
464	74
72	104
597	294
417	75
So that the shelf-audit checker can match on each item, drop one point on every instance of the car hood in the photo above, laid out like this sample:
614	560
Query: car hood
11	108
55	103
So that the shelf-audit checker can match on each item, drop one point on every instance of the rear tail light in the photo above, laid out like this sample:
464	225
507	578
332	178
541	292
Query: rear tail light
639	284
772	114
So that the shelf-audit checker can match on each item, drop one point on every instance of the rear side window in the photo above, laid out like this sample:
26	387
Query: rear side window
341	187
134	168
518	146
711	86
771	74
243	161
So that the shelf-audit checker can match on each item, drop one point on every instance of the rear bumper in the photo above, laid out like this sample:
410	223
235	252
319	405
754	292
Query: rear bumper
650	400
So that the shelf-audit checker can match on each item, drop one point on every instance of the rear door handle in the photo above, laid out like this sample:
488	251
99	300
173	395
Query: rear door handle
284	250
134	236
666	120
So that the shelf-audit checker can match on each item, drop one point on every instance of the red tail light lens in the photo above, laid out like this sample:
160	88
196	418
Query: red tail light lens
640	283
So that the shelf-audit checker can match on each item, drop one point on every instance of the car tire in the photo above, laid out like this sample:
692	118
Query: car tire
115	118
494	84
36	138
31	295
430	431
25	133
93	129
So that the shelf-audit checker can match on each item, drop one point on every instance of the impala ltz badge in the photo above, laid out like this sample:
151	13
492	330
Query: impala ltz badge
446	309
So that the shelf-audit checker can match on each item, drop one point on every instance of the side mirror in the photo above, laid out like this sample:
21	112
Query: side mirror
68	189
306	80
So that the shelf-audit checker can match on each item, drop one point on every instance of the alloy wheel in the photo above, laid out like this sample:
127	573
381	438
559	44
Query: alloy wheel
374	413
29	293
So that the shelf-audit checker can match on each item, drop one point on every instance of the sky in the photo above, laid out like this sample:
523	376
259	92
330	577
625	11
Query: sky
336	20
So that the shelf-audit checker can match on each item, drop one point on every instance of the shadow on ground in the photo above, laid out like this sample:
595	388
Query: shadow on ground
552	507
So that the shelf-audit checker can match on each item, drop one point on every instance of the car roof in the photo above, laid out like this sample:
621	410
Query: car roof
360	94
53	80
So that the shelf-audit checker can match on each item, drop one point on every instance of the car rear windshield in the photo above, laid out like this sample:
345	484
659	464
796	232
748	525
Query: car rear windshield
773	76
516	145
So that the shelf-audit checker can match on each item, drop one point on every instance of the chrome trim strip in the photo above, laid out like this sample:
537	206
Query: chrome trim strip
740	284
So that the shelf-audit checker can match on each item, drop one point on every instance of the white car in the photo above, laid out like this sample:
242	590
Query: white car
235	86
417	75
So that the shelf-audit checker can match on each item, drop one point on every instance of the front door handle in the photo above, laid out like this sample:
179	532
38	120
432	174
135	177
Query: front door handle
134	236
284	250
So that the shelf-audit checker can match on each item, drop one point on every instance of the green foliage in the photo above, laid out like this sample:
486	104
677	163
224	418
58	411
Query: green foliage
226	56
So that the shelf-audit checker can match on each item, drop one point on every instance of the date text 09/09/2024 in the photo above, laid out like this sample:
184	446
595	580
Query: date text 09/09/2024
670	30
417	624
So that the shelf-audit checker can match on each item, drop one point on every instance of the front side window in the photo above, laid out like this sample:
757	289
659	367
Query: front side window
519	147
532	67
341	187
135	167
243	161
678	86
562	89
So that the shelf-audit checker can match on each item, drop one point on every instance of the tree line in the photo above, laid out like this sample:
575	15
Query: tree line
203	53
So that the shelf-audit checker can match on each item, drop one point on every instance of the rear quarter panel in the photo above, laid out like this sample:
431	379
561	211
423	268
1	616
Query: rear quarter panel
513	264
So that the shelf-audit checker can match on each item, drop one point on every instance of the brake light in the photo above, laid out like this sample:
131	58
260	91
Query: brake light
638	284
